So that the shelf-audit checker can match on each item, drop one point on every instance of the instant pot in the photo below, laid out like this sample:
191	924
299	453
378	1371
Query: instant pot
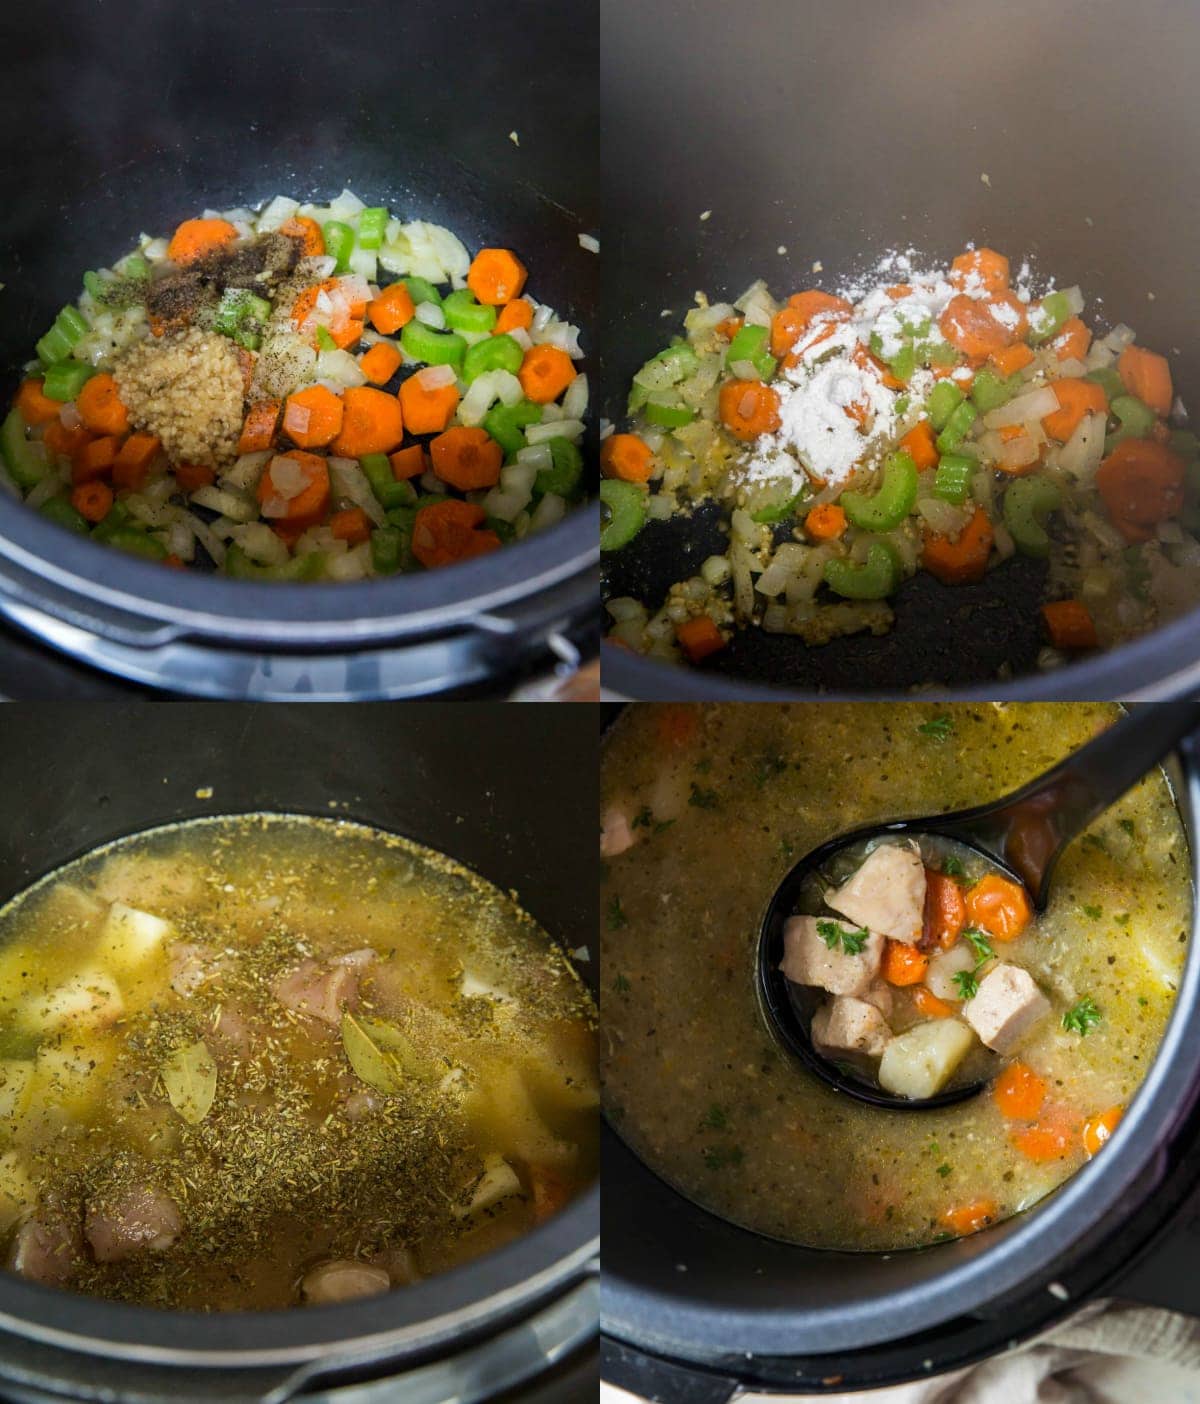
815	137
131	115
696	1310
497	788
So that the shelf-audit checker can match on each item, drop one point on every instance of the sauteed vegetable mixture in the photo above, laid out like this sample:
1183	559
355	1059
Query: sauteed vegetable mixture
704	810
258	1061
938	420
303	393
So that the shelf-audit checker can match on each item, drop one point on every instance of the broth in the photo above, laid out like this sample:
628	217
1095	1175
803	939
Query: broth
720	802
259	1060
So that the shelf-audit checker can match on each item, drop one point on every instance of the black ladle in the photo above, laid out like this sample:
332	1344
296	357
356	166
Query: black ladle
1023	834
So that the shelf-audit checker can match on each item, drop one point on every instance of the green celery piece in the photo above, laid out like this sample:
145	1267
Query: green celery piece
890	503
1027	504
989	391
667	413
1109	380
118	516
463	313
136	543
942	354
903	363
65	379
387	549
956	427
622	513
779	511
1046	320
59	510
325	341
391	491
875	579
307	567
339	243
53	347
680	362
1136	420
750	344
506	424
421	290
371	226
952	481
72	323
95	284
564	474
495	353
134	266
433	347
25	466
944	399
504	530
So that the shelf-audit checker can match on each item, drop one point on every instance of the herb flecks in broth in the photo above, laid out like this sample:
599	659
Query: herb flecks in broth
248	1062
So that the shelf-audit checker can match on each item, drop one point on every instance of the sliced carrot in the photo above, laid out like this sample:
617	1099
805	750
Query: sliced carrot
984	267
903	964
173	561
351	525
963	561
730	327
100	408
191	476
35	407
380	363
920	445
197	238
699	637
970	1218
246	360
496	276
898	291
308	507
307	230
1141	483
95	459
1052	1138
928	1004
1099	1128
971	327
1019	1092
1075	399
392	309
64	442
1072	342
999	906
1070	624
467	458
1011	313
443	532
371	423
306	302
826	522
131	467
945	910
516	315
93	501
551	1191
627	457
258	431
545	373
962	376
1008	360
348	334
748	408
427	411
1147	375
312	418
408	463
800	311
676	725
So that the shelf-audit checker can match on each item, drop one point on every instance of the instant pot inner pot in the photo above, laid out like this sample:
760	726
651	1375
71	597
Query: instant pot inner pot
860	128
496	788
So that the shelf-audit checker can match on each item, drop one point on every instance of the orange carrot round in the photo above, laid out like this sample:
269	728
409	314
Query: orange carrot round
100	408
380	363
95	459
963	561
1052	1138
197	238
983	266
496	276
798	314
1073	340
93	500
1099	1128
35	407
903	964
1019	1092
312	418
1147	375
627	457
444	532
928	1004
409	462
427	411
392	309
351	525
1070	624
1075	399
307	507
1008	360
826	522
699	637
371	423
945	910
970	1218
308	231
258	431
134	459
1000	906
968	325
920	445
545	373
467	458
516	315
748	408
191	476
1141	483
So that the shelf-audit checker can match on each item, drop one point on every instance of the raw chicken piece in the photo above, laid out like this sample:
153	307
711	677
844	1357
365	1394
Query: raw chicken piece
1006	1007
807	960
886	894
47	1252
343	1280
323	990
140	1220
849	1025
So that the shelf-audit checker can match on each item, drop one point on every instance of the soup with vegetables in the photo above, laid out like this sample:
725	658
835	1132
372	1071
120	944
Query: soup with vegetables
256	1061
704	811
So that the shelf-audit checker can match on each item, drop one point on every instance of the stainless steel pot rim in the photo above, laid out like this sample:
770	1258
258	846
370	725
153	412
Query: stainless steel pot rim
982	1272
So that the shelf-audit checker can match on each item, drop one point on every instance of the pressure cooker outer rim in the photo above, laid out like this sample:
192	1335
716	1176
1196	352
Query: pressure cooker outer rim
1106	1192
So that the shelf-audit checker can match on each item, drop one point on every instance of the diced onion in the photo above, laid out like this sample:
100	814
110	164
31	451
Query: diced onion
1080	456
571	429
540	456
295	418
943	517
429	314
1025	409
348	480
480	396
744	370
1018	452
233	504
550	510
246	471
69	416
435	377
206	538
260	543
1119	338
716	570
1074	300
575	401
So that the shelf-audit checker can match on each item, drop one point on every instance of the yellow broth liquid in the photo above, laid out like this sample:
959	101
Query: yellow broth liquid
298	1160
723	800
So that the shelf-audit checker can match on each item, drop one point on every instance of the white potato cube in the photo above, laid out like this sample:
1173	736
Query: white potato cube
130	937
499	1182
16	1074
89	1000
70	1074
921	1061
945	965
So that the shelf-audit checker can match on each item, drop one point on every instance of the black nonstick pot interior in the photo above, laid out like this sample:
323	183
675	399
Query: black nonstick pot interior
500	789
838	132
686	1290
131	115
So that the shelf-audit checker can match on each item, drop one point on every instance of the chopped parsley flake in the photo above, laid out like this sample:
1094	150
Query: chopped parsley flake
702	799
979	943
1094	841
852	942
968	985
939	728
643	819
767	767
1122	918
718	1157
1082	1018
1093	913
943	1170
714	1119
621	985
1129	826
616	915
953	866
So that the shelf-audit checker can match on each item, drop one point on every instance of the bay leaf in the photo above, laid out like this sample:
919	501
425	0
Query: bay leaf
374	1064
190	1077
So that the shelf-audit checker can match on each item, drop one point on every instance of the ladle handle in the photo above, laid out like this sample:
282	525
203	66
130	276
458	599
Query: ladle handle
1029	830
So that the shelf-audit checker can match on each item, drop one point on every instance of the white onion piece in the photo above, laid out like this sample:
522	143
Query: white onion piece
288	477
1074	300
1080	456
429	314
1019	452
245	472
539	455
211	543
521	337
744	370
1025	409
508	388
702	319
943	517
571	429
1119	338
296	418
478	400
1099	356
69	416
348	480
1072	368
435	377
230	504
575	401
550	510
260	543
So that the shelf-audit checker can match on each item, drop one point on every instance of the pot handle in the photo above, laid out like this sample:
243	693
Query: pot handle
662	1381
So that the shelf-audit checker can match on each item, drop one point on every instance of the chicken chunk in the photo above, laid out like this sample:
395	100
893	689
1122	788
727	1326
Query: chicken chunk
48	1251
322	990
886	894
849	1025
343	1280
1006	1007
616	835
140	1219
192	966
809	960
880	995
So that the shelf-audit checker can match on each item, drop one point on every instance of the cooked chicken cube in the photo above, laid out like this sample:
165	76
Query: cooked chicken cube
616	835
880	995
140	1219
343	1280
919	1062
811	959
1006	1007
886	894
849	1025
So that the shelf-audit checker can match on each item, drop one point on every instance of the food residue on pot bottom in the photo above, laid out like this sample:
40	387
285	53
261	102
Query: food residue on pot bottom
257	1061
704	810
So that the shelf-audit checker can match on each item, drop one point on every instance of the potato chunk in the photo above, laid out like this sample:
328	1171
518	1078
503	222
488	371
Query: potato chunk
921	1061
89	1000
130	937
